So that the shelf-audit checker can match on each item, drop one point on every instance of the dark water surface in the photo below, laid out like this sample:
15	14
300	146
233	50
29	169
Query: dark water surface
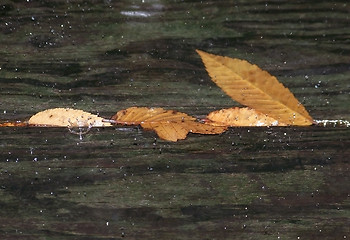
125	183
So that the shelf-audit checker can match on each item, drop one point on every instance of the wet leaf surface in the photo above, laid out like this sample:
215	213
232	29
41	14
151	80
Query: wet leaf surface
66	117
168	124
242	117
255	88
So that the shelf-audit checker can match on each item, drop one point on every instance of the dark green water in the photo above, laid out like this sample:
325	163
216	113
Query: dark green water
125	183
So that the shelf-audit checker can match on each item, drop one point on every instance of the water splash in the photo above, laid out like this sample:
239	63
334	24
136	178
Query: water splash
333	122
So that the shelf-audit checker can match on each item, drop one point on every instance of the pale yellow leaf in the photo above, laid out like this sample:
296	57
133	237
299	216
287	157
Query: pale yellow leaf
67	117
242	117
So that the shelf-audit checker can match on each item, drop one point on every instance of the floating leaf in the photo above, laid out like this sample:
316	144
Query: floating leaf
253	87
66	117
168	124
242	117
14	124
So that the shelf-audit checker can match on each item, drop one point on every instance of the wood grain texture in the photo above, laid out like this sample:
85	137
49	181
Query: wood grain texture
285	182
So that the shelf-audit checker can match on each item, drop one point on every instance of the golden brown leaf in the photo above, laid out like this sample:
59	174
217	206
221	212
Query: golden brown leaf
168	124
251	86
66	117
14	124
242	117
